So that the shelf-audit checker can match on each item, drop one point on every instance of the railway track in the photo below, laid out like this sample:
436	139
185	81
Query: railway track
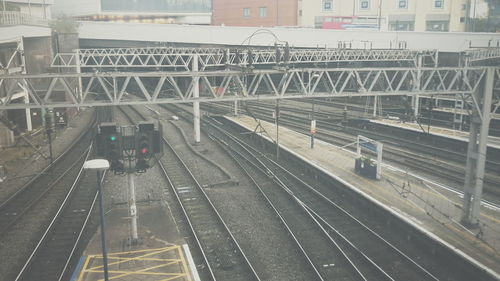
223	257
218	249
52	256
395	247
414	155
329	259
62	187
363	251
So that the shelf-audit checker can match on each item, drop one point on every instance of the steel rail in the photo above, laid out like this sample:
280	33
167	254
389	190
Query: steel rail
268	173
403	255
269	202
45	170
80	234
26	206
186	216
205	197
55	218
332	137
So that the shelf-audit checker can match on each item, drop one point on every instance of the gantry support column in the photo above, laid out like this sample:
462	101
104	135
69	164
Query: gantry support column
133	208
416	88
196	104
476	152
236	113
26	99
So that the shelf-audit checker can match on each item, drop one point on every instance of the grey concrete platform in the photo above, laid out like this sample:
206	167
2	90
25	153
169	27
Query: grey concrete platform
438	131
161	253
426	204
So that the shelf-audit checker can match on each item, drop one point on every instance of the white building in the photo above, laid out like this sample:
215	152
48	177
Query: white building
33	8
144	11
396	15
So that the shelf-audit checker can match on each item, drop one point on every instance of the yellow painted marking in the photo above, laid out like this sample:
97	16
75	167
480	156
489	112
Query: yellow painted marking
141	271
144	255
142	259
138	273
82	273
144	250
184	264
131	259
379	188
473	240
376	189
490	217
175	277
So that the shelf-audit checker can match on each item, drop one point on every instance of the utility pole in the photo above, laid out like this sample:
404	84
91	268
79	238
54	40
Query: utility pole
196	104
49	131
277	112
133	208
379	15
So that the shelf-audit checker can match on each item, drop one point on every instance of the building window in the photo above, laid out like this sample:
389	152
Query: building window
403	4
246	12
263	12
402	26
437	26
364	4
439	4
327	5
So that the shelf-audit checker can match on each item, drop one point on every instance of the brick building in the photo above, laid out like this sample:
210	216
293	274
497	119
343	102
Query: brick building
255	12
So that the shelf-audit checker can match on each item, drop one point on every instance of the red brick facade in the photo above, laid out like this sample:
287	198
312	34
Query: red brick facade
255	12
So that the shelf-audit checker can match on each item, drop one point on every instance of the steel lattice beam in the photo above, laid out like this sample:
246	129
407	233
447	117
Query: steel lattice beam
122	88
15	61
481	55
181	58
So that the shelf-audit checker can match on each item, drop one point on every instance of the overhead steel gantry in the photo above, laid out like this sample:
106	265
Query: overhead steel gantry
114	88
479	85
481	56
15	63
209	58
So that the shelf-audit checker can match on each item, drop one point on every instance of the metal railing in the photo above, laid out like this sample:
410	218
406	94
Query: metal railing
18	18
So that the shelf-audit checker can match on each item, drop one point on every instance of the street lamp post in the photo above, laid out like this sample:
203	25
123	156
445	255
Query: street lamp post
100	165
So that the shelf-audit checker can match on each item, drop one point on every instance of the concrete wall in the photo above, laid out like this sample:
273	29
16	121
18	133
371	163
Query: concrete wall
67	42
10	33
38	54
6	136
39	11
298	37
76	7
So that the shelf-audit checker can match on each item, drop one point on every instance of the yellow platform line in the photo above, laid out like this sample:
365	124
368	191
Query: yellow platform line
138	273
133	258
175	277
82	273
142	271
184	264
144	250
144	257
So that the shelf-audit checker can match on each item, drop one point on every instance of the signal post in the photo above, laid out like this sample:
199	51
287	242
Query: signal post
130	150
